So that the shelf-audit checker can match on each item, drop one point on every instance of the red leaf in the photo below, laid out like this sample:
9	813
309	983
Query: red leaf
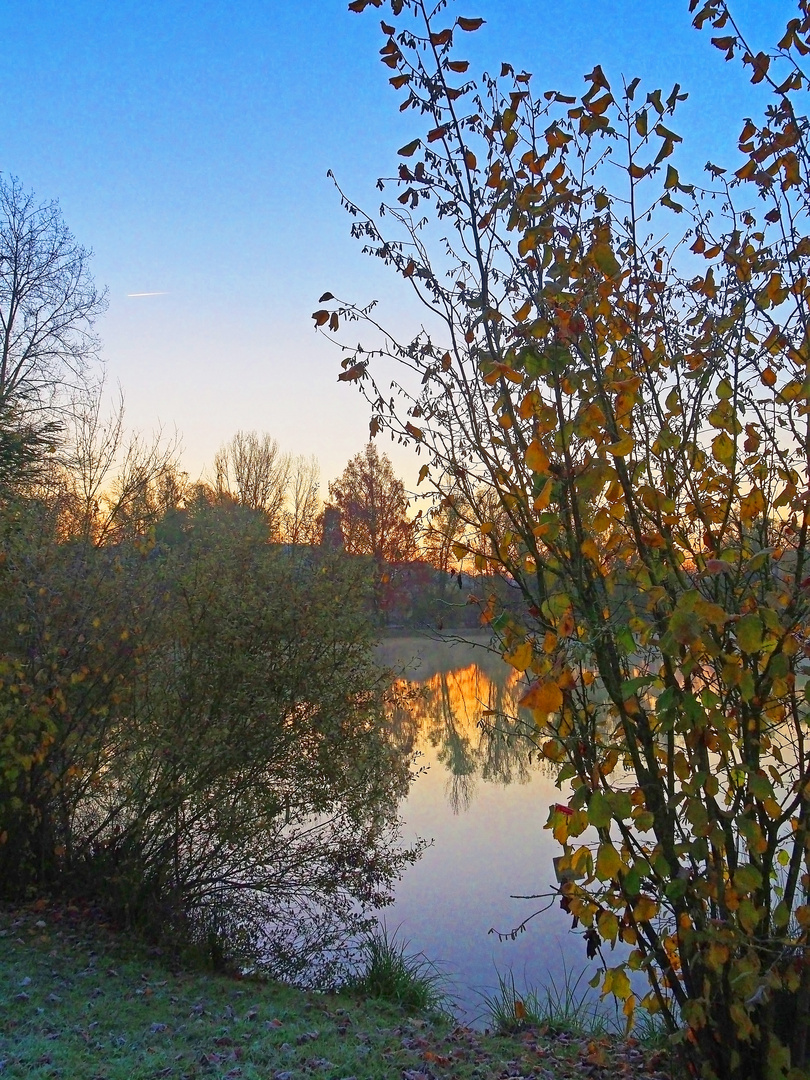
469	24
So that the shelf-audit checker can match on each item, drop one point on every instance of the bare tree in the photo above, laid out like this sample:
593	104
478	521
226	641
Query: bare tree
301	517
111	483
252	469
48	303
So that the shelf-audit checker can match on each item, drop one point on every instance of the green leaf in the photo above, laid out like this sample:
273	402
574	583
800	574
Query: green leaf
747	878
625	640
630	687
749	631
599	813
781	915
606	260
620	804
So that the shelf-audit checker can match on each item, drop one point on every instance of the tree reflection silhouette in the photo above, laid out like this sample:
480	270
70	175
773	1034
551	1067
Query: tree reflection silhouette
471	718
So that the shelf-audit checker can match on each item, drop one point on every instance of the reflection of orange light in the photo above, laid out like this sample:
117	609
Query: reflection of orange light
467	694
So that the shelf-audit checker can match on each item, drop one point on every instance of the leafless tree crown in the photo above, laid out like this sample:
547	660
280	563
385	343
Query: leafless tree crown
48	302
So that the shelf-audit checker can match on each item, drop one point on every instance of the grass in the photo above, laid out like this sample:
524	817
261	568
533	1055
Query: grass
567	1009
78	1002
390	973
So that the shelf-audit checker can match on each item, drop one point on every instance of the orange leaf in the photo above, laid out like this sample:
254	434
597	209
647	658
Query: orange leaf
469	24
542	697
444	37
536	458
437	133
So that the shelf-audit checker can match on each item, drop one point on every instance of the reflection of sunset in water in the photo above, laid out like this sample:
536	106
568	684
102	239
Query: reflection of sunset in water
466	722
467	694
483	800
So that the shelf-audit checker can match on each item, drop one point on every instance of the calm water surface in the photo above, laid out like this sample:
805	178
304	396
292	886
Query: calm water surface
483	803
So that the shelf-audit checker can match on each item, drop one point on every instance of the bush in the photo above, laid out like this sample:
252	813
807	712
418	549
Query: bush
193	735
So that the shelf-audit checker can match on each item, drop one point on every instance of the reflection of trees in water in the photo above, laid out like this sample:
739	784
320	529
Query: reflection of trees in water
473	722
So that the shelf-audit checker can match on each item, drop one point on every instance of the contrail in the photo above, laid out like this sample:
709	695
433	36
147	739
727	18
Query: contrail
147	294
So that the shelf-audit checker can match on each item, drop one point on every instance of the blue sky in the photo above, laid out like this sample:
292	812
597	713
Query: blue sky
188	144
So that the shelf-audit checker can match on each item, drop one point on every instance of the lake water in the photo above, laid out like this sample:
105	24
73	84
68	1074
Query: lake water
483	804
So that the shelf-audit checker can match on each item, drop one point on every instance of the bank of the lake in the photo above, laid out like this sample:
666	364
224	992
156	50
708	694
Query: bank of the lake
80	1002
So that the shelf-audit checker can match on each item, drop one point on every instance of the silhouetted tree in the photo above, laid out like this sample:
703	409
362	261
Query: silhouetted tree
48	301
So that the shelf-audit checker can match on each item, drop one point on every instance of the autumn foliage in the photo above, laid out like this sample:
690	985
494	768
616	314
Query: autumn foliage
614	390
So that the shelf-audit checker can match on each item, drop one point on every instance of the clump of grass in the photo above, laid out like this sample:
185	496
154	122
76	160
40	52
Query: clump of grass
651	1031
554	1010
390	973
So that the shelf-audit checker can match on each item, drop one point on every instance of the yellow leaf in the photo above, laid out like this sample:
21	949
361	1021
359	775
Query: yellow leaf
536	458
602	521
608	925
621	448
608	862
723	449
751	506
520	657
605	259
590	550
645	909
617	983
